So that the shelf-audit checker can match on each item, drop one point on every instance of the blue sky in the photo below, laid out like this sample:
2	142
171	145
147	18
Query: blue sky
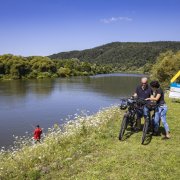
44	27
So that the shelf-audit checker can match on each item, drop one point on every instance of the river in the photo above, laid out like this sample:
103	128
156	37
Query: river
26	103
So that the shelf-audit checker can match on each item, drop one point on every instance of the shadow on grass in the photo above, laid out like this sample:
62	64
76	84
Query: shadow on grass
162	131
175	100
149	135
129	132
128	135
148	139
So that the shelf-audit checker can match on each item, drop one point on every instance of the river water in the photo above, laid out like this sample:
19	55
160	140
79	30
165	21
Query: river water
26	103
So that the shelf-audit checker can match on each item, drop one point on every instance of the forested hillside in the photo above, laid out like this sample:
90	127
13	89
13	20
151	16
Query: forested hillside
123	55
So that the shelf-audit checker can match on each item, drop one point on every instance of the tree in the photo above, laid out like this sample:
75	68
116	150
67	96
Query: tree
64	72
42	64
166	66
85	66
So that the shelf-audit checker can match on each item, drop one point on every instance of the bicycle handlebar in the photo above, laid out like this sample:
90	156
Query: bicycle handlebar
140	102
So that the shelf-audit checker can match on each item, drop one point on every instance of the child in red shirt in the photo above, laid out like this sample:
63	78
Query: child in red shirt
37	134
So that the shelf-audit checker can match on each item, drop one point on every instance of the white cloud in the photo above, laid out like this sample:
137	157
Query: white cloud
115	19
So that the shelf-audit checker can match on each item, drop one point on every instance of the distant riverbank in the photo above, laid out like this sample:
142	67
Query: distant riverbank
39	67
122	74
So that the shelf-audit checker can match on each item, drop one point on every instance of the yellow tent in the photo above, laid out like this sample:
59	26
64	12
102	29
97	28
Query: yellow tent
175	87
175	77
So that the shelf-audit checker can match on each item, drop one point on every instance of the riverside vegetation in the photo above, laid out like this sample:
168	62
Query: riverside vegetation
88	148
18	67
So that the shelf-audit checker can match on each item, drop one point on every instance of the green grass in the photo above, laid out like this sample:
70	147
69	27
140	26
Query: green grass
90	149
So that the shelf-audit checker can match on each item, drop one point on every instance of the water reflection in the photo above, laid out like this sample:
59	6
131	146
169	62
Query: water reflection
41	87
21	88
16	88
114	86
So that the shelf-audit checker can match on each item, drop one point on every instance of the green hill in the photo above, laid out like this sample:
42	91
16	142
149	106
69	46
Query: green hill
122	54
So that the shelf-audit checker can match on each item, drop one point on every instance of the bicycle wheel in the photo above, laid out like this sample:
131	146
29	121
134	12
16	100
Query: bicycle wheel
145	129
124	125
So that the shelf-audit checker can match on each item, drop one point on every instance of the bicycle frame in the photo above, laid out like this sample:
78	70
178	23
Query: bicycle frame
129	117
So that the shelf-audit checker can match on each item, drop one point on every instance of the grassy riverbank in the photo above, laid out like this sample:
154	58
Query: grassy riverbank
90	149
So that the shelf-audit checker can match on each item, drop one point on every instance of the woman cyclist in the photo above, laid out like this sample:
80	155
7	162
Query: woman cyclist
161	110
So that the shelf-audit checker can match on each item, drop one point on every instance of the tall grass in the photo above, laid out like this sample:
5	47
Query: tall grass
59	147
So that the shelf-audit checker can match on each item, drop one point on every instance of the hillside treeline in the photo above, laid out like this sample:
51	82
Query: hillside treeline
122	55
18	67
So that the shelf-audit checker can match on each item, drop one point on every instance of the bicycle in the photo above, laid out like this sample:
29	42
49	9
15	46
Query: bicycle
129	118
148	124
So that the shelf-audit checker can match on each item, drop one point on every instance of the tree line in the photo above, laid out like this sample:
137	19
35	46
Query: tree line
18	67
163	68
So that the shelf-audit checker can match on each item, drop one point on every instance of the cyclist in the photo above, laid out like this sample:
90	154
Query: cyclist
161	109
143	91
